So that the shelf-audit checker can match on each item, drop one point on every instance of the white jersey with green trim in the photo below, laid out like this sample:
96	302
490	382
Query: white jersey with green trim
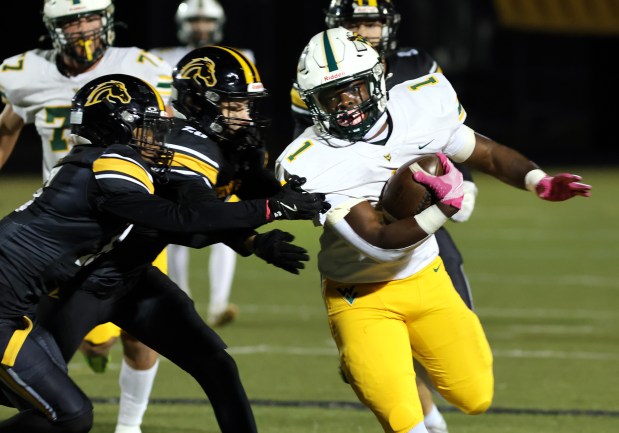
425	117
40	94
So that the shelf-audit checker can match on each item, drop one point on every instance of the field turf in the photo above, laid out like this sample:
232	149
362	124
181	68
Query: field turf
545	279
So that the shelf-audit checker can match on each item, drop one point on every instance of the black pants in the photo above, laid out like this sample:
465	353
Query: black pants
34	379
159	314
453	265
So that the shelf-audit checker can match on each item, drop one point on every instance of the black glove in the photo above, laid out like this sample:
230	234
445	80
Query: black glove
293	203
274	247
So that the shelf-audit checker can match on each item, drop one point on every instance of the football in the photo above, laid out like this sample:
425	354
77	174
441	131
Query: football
402	196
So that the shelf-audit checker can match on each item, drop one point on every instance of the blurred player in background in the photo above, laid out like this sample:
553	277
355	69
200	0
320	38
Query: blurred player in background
201	23
387	294
378	21
37	87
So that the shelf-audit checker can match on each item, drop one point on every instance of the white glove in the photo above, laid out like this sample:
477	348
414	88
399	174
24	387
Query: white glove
468	203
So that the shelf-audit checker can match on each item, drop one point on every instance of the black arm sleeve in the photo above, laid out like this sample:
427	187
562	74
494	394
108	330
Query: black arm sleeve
258	184
203	216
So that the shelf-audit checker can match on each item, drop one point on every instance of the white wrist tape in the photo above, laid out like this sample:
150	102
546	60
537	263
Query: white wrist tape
533	177
431	219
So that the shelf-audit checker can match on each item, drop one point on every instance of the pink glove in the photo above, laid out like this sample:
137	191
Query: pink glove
448	187
561	187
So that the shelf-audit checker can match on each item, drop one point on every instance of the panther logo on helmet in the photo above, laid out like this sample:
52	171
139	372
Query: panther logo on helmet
111	90
201	70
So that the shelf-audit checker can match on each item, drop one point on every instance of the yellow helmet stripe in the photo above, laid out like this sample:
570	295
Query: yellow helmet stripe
373	3
251	73
159	99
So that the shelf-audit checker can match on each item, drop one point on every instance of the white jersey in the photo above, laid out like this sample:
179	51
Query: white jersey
40	94
172	55
425	117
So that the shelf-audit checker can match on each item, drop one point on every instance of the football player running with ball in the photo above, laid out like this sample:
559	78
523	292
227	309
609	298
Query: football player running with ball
387	294
378	22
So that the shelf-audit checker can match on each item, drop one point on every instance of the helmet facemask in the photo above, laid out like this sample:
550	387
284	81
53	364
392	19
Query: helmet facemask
351	14
348	109
341	78
241	119
200	22
202	31
148	136
84	47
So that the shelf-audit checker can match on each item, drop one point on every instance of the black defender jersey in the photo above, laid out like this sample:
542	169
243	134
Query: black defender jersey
92	197
202	169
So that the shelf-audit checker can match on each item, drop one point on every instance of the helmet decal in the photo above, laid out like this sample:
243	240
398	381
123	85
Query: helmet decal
201	70
111	90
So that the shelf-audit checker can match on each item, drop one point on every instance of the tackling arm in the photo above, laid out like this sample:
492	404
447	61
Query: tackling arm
10	128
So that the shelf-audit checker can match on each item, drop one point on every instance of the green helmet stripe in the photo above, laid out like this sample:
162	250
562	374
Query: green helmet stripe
331	63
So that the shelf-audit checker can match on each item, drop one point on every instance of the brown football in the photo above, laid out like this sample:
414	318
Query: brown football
402	196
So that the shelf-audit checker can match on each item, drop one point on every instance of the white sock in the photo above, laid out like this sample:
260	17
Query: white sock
419	428
222	262
135	388
434	418
178	266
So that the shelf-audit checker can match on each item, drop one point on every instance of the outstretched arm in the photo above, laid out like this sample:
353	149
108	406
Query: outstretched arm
515	169
500	161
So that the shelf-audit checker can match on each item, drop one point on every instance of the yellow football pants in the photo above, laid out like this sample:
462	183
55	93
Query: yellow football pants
380	327
106	331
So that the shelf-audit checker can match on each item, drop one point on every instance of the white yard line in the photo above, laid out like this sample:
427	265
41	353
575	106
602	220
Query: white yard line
332	352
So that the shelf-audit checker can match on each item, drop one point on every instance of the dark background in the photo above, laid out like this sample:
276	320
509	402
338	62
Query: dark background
550	93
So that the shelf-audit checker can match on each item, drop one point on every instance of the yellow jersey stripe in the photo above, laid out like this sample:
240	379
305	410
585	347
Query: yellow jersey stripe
15	344
124	166
194	164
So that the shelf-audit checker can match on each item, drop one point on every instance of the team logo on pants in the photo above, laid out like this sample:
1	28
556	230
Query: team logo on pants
348	293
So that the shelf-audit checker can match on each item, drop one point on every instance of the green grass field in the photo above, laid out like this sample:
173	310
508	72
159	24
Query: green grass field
545	279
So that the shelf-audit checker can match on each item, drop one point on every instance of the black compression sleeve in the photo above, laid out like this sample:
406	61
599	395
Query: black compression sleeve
200	217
